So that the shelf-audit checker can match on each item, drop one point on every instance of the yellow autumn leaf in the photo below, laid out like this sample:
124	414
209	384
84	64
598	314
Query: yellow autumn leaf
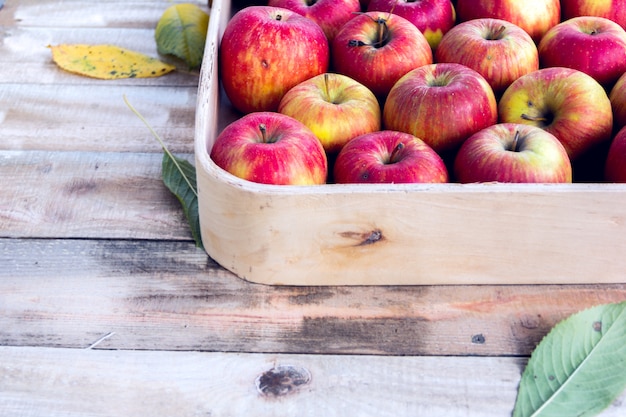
107	62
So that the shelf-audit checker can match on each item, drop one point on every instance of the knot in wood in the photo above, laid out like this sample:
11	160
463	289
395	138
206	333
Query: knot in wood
282	380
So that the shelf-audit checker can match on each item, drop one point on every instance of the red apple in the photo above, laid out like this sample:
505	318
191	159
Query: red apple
509	152
498	50
267	50
617	96
335	107
389	157
331	15
271	148
442	104
614	10
615	165
377	48
534	16
432	17
591	44
566	102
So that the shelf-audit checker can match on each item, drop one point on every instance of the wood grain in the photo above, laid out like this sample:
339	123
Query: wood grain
82	194
44	107
88	383
80	14
26	58
159	295
28	27
95	117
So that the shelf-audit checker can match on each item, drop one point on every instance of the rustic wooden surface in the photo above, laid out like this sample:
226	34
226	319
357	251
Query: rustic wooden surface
107	308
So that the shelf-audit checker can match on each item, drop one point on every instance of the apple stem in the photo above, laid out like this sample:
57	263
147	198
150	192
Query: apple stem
515	144
497	34
263	130
382	32
395	152
534	118
326	86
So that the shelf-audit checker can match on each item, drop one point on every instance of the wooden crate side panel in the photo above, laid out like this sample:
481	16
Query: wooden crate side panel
445	236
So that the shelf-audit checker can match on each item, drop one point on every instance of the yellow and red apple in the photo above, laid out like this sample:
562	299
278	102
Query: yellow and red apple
389	157
267	50
434	18
271	148
498	50
331	15
591	44
509	152
377	48
442	104
534	16
335	107
566	102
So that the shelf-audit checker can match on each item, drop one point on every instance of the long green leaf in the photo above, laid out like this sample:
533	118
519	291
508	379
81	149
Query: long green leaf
579	368
179	176
181	31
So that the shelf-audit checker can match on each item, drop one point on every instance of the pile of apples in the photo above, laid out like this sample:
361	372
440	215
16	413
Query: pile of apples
404	91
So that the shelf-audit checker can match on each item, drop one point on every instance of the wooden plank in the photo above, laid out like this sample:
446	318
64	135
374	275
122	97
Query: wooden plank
95	118
87	194
85	13
90	383
171	296
79	113
28	27
61	382
26	58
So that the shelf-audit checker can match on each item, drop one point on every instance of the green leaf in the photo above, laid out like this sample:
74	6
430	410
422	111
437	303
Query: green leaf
579	368
181	32
179	176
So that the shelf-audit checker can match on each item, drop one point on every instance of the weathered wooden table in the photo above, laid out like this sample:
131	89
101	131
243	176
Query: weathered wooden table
107	308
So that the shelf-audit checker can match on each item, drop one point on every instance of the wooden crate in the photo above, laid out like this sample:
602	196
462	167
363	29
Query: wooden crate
409	234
